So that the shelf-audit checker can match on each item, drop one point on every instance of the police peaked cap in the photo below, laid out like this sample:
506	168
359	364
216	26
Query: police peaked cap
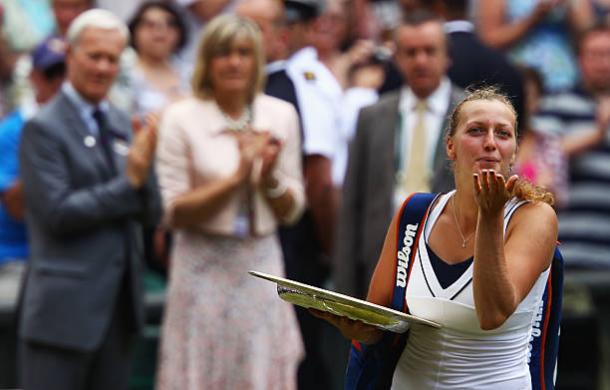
301	10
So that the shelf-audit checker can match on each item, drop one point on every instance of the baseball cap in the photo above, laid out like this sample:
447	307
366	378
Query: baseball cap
50	52
301	10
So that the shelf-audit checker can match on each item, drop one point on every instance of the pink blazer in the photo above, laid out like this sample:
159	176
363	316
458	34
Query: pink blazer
194	150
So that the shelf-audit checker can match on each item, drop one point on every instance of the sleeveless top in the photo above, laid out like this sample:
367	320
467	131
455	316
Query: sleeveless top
461	355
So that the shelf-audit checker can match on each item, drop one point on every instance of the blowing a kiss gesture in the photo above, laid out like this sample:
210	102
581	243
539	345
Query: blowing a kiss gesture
492	191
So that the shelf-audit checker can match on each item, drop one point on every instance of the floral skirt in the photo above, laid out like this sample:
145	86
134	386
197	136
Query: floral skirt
223	328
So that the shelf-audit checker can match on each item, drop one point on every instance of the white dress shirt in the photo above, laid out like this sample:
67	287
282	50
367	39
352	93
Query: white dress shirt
85	109
437	104
436	109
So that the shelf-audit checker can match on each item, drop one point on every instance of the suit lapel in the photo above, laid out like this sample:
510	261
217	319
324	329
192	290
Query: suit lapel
121	139
389	129
443	180
382	156
80	131
440	158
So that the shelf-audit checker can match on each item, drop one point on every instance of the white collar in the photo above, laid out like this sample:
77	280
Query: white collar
458	26
308	53
275	66
79	101
437	101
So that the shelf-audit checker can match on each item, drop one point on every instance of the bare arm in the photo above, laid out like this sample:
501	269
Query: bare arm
199	204
12	199
505	270
580	15
581	142
320	195
7	57
497	32
381	288
7	61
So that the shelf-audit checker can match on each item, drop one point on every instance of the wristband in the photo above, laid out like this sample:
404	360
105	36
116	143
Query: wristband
277	191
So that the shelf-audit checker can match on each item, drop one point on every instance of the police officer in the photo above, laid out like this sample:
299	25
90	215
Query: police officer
305	82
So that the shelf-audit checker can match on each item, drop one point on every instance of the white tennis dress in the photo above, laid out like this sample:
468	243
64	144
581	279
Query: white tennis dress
461	355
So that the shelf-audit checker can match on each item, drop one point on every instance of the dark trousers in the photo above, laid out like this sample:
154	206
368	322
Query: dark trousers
303	262
47	367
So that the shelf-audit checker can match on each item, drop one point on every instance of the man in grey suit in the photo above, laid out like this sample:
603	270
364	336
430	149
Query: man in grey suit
89	190
398	148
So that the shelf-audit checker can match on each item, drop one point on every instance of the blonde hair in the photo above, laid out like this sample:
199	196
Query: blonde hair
483	93
522	189
217	38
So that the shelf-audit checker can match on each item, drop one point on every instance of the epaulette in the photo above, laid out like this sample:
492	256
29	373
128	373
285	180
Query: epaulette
309	76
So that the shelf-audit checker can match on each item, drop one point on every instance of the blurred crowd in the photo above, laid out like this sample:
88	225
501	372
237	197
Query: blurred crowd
280	136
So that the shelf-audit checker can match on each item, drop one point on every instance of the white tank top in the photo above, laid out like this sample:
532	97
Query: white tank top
461	355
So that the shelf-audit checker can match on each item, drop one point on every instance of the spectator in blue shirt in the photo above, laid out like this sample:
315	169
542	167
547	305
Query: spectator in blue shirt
48	69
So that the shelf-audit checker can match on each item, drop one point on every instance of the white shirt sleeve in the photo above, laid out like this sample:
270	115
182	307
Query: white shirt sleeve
317	115
354	100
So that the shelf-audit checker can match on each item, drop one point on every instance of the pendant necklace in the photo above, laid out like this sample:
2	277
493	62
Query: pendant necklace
457	225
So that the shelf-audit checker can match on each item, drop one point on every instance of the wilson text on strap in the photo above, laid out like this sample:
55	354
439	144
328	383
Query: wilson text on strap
372	366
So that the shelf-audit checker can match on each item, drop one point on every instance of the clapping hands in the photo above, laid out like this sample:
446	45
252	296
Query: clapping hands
142	151
258	151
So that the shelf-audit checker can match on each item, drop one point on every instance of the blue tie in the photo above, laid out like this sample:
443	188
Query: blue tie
105	137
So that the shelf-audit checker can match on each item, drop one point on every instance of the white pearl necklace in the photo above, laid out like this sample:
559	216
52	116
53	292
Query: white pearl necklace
240	123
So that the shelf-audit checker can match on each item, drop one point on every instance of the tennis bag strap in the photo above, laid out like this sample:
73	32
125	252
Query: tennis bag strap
371	367
544	341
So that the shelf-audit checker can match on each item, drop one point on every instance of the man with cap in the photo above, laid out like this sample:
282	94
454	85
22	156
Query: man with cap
89	192
318	97
46	76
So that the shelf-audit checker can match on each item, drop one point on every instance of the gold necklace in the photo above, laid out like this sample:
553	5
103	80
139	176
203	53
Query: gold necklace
457	225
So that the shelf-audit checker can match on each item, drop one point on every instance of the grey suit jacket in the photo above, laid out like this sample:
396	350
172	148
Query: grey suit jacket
367	205
84	228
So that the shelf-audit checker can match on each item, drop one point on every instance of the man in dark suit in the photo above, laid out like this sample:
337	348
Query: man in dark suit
382	168
89	190
473	62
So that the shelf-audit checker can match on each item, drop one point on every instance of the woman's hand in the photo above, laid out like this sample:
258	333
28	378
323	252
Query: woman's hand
492	191
544	7
269	153
603	116
250	145
350	329
142	152
360	52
